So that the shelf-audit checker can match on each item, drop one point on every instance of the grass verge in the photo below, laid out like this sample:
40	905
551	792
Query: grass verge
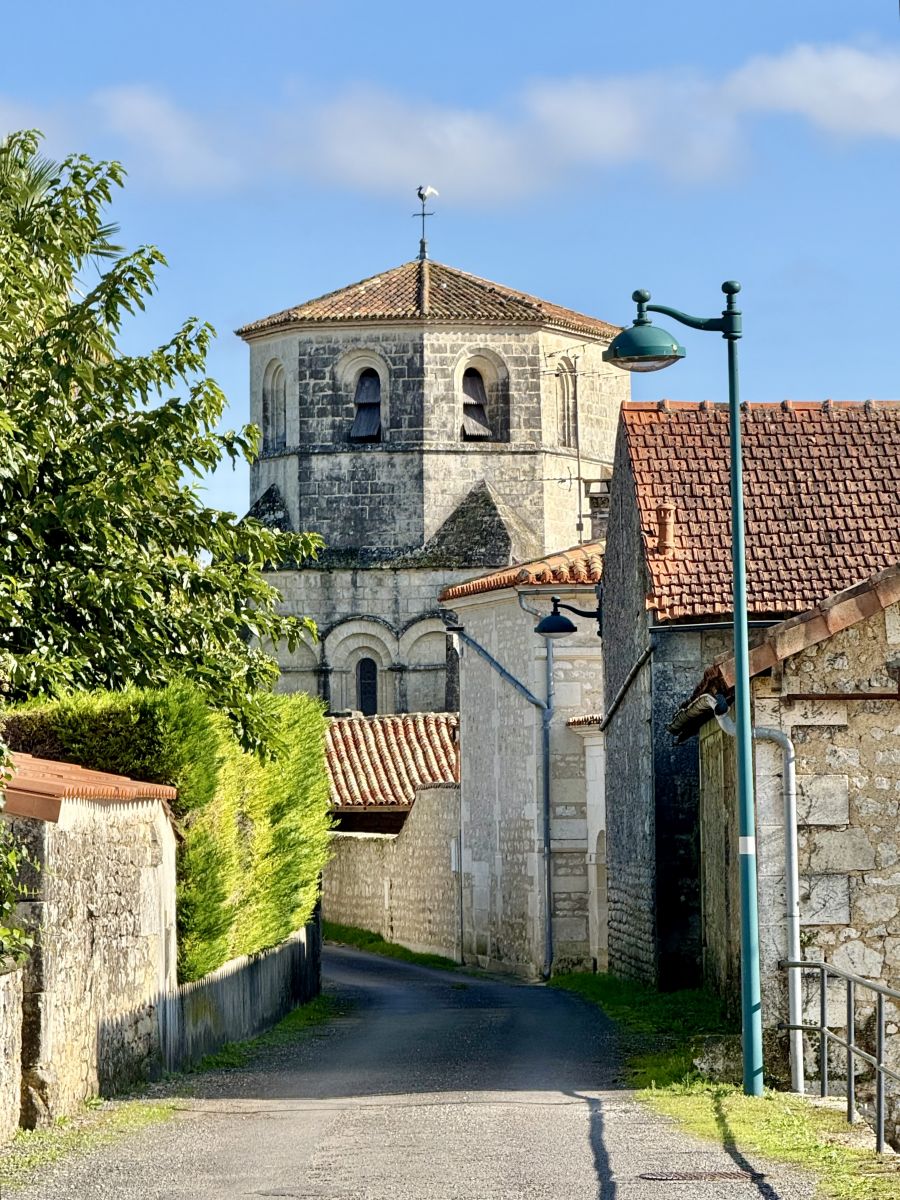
668	1028
91	1127
374	943
297	1022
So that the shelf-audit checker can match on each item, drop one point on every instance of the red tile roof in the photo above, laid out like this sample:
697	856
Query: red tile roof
581	566
38	786
430	291
380	762
846	608
822	496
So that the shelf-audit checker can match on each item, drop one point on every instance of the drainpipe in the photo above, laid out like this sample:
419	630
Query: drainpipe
792	883
546	717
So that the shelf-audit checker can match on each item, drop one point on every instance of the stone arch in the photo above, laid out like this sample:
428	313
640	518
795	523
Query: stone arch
345	645
299	668
423	650
274	406
566	404
348	371
494	374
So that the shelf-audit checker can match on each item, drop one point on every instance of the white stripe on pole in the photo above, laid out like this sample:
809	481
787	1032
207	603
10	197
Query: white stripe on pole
747	845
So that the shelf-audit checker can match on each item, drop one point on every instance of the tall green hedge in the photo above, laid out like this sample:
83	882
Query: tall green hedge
255	832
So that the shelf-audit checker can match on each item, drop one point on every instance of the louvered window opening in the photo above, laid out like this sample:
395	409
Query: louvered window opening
567	431
367	422
367	687
475	426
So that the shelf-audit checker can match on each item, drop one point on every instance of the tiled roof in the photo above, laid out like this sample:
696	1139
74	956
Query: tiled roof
420	291
822	496
38	786
579	567
846	608
585	722
379	762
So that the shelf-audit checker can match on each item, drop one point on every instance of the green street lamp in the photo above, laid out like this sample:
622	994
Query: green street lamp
646	347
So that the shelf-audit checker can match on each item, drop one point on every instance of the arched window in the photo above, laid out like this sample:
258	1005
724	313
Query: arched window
566	404
274	408
475	425
367	422
367	686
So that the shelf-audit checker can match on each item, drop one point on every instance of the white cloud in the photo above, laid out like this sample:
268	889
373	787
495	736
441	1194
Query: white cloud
840	89
173	147
683	125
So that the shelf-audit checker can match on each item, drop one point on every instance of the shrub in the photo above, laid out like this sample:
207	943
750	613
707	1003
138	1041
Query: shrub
255	831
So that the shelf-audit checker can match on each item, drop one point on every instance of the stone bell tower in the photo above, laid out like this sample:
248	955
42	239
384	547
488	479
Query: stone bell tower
430	425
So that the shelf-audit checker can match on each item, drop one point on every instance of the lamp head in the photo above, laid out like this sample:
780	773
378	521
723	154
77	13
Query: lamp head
555	625
643	347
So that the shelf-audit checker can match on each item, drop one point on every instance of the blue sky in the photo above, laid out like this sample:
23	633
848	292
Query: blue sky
581	151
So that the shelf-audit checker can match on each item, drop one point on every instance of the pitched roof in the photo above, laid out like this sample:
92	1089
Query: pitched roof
579	567
38	786
380	762
822	497
817	624
430	291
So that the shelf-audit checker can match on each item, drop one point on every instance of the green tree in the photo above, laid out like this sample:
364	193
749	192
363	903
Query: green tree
112	570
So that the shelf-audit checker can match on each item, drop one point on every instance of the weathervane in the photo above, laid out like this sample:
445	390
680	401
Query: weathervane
425	192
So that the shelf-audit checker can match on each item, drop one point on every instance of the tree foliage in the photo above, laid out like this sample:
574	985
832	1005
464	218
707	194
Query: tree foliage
112	570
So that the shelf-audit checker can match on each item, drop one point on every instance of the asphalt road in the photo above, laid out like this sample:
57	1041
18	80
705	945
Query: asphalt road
436	1087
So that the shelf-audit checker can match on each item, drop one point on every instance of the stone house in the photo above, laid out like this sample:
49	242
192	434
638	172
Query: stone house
822	495
102	910
830	680
505	680
430	425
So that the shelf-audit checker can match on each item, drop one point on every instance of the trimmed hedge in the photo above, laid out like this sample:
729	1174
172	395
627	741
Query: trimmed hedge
255	831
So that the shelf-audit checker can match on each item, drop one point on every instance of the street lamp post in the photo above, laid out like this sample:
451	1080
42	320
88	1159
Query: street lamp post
646	347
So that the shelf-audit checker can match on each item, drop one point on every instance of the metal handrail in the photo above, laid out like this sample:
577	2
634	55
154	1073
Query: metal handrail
854	1052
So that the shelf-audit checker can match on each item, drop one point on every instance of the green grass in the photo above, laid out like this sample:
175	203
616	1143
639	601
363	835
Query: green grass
289	1029
95	1125
667	1028
374	943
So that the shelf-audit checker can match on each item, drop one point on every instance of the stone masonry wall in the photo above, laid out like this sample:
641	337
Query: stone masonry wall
104	920
10	1050
848	794
501	788
404	886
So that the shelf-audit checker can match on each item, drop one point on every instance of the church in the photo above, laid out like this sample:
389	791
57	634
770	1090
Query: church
431	426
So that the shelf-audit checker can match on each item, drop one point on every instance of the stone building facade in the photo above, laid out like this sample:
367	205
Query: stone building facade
817	678
424	422
502	769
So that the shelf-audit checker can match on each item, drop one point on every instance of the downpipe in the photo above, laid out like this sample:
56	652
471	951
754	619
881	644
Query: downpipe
792	884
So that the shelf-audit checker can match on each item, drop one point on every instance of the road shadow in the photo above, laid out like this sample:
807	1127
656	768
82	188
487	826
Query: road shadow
731	1148
607	1188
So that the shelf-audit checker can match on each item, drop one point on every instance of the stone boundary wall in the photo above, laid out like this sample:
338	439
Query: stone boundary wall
10	1050
101	906
239	1000
404	886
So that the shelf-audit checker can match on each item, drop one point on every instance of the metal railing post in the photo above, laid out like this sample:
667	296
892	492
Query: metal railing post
879	1074
823	1036
851	1041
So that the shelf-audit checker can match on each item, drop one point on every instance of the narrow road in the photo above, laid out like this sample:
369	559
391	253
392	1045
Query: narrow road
436	1087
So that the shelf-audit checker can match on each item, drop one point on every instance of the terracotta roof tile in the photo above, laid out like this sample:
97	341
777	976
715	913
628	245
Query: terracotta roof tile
581	566
38	786
380	762
822	496
430	291
817	624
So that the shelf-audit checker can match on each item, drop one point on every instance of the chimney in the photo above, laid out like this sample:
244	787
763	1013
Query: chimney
597	492
665	527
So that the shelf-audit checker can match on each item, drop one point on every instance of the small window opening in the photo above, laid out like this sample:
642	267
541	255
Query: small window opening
367	687
367	422
475	426
275	410
568	433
